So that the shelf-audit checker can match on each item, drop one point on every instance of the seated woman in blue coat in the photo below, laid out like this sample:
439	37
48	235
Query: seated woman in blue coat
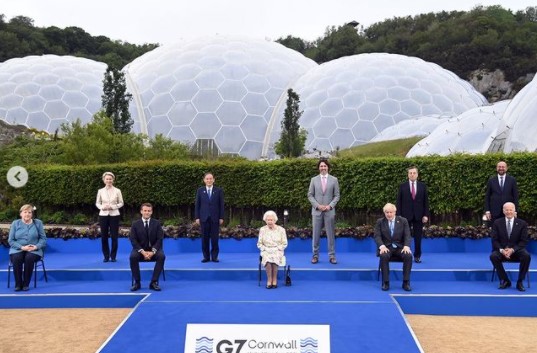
26	240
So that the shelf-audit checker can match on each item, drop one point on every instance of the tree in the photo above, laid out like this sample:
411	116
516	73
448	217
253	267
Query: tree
293	138
115	100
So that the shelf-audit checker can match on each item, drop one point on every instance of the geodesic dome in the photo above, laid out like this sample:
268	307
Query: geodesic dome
420	126
520	120
217	90
43	92
348	101
471	132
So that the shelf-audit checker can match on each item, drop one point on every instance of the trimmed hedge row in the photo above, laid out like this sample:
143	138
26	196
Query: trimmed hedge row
455	183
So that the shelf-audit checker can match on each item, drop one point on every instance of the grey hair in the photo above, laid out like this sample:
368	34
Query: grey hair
270	214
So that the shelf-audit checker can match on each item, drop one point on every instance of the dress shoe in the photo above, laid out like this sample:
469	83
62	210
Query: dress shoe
25	289
154	286
215	260
18	289
274	286
385	286
105	260
315	259
504	284
113	260
406	286
417	260
135	287
205	260
333	260
269	286
520	286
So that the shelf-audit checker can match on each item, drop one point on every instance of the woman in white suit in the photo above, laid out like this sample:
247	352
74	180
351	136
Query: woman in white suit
272	242
109	201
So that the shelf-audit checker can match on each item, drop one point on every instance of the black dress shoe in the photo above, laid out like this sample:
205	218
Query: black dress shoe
269	286
18	289
205	260
215	260
417	260
135	287
274	286
520	286
504	284
154	286
105	260
406	286
113	260
25	289
385	286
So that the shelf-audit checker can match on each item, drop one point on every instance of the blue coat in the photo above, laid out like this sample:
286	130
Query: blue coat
21	234
213	208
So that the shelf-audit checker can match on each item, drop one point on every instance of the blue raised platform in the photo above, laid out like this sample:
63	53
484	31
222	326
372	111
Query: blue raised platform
454	279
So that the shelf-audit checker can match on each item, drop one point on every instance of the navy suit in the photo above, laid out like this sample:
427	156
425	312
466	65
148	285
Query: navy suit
150	240
209	211
414	210
495	197
517	241
401	237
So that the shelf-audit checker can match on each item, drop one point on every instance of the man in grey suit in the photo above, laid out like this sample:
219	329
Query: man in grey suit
392	235
323	195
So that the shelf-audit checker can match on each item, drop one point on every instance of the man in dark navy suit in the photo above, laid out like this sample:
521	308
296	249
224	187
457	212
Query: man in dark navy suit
392	235
209	214
501	188
413	204
146	239
509	239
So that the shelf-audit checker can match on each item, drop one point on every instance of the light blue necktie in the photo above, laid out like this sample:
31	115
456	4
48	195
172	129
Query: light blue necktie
209	192
391	233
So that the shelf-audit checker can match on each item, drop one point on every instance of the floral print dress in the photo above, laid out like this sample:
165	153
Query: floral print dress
272	243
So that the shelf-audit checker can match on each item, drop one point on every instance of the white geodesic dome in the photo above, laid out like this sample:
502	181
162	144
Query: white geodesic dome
348	101
420	126
471	132
520	120
221	90
45	91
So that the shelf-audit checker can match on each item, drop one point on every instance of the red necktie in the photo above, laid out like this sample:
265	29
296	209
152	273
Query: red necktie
413	191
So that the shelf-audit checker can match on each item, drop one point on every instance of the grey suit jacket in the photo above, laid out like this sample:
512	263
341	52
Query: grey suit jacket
329	197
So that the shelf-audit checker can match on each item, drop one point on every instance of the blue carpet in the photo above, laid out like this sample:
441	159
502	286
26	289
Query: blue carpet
346	296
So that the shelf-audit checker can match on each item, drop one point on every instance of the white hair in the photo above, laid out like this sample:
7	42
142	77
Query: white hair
270	214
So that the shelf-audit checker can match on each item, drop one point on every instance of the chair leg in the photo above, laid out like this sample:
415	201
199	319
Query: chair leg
44	270
8	275
378	273
163	274
493	273
35	274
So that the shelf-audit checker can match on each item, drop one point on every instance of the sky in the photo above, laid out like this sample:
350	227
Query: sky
167	21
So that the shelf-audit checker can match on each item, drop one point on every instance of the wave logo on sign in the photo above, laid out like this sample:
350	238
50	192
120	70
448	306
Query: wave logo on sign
309	345
204	345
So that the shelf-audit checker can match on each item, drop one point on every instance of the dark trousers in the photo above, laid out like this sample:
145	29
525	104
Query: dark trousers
521	255
135	259
109	229
26	260
395	254
416	229
210	232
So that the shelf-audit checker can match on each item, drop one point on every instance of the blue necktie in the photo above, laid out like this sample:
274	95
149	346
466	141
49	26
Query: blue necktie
501	183
391	233
209	193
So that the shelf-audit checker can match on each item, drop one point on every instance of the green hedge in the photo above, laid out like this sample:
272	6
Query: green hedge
455	183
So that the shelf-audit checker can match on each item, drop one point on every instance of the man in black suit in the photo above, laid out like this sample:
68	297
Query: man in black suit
413	204
501	188
509	239
392	235
146	239
209	214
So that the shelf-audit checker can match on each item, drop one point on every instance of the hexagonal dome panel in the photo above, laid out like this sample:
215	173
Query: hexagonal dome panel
383	89
44	91
470	132
225	79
